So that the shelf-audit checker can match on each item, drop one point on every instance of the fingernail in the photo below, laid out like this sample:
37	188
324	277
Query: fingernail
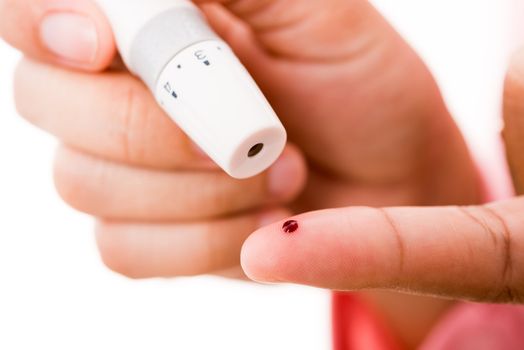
70	36
284	179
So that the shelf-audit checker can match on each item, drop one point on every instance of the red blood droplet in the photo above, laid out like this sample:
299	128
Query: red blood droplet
290	226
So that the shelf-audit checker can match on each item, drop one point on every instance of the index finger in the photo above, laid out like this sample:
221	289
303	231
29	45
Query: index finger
72	33
472	253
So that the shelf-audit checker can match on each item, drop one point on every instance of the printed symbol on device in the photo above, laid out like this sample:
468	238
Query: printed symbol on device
170	90
201	56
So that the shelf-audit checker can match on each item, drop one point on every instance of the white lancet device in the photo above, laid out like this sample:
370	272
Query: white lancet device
198	81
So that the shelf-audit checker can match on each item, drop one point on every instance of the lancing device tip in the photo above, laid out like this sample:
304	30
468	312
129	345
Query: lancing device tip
198	81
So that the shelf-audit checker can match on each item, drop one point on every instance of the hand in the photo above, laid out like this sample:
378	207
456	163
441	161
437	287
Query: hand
464	252
359	103
164	209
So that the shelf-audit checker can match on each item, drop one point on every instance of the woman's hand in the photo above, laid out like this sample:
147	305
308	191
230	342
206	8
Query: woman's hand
473	252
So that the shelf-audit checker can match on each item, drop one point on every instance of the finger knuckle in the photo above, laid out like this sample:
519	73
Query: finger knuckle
400	245
218	196
223	195
508	294
133	112
498	228
206	197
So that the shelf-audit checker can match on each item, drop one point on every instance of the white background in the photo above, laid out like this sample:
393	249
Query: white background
56	294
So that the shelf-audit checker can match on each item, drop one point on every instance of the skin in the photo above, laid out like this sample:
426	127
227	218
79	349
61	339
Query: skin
336	73
429	251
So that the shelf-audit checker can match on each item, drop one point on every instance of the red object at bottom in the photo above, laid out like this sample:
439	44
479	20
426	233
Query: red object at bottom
466	326
357	327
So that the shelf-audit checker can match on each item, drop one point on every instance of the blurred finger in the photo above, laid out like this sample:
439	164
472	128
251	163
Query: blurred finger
72	33
116	191
514	119
308	29
170	250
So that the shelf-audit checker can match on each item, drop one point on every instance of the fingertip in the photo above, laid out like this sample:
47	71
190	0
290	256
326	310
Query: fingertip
274	253
107	50
259	258
329	249
19	77
75	34
255	263
287	177
116	250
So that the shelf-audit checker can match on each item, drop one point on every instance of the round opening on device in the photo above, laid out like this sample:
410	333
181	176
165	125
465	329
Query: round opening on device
255	150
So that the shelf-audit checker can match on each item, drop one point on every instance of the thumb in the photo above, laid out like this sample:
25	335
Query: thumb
514	119
458	252
72	33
